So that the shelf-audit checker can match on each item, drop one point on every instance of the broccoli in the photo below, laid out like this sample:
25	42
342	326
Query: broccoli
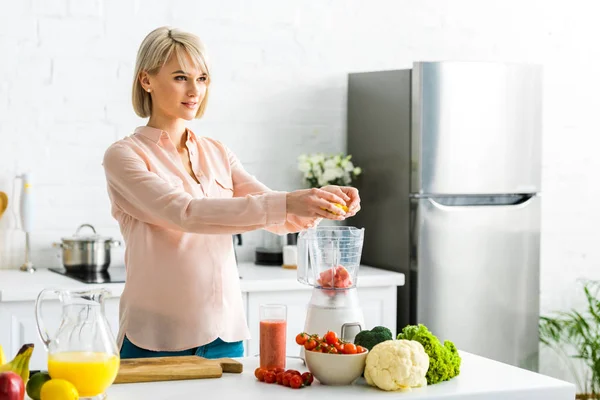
444	361
369	338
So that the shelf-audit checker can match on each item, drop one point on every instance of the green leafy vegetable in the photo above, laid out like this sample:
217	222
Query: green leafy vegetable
444	360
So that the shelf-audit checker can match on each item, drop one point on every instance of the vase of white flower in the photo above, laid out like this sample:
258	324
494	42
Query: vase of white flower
327	169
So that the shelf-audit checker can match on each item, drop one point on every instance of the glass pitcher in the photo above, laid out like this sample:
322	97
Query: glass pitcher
329	256
83	351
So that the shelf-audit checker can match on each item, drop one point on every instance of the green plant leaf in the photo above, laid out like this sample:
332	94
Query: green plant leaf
581	330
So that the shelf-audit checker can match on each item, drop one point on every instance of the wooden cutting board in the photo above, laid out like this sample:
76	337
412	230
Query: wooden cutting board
174	368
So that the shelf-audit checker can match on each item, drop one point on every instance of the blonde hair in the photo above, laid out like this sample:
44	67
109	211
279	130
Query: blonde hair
155	51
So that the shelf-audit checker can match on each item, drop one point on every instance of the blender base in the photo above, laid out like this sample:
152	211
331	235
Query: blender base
345	322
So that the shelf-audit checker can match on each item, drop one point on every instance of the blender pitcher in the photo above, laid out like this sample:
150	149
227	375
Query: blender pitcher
83	351
329	257
328	260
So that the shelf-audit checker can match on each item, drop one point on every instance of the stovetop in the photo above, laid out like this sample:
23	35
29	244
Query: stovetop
112	275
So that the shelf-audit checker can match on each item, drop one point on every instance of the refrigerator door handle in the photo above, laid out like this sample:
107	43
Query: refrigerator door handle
455	203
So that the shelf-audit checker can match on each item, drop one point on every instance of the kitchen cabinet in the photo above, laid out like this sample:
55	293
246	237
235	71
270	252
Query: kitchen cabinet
18	326
18	291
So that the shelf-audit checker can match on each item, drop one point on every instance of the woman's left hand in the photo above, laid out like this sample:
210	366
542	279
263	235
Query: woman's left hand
349	194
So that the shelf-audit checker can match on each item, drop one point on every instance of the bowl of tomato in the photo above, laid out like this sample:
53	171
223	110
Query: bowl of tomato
331	360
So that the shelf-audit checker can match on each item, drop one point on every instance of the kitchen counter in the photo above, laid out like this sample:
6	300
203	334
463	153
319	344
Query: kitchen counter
377	292
16	285
480	379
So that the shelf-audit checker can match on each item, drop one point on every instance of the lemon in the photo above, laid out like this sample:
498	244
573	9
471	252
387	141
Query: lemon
2	356
59	389
35	383
338	205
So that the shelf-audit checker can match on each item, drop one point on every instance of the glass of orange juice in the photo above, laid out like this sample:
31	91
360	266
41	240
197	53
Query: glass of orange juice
83	351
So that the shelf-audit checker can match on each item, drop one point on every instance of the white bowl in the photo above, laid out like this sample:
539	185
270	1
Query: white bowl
335	369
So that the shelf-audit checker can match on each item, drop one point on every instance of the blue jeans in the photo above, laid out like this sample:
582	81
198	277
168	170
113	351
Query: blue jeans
215	349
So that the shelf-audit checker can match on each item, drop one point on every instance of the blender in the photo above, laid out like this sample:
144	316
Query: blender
328	260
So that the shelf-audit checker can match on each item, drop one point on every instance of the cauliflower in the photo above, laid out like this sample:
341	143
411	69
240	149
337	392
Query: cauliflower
397	364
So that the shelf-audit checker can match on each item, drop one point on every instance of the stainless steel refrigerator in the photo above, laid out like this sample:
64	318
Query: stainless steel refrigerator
451	153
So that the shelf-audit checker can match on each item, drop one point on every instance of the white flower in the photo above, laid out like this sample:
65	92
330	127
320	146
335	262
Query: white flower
329	164
317	158
317	171
330	174
304	166
324	169
348	167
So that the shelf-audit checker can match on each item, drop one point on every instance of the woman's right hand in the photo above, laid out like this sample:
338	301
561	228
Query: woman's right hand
315	203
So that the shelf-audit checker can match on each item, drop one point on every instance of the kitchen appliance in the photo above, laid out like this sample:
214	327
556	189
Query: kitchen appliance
175	368
86	253
83	350
115	274
451	197
328	260
26	212
270	250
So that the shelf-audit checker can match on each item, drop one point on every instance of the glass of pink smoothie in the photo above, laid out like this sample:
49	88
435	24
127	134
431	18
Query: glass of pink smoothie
273	326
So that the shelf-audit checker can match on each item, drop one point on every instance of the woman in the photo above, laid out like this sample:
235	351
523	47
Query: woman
178	198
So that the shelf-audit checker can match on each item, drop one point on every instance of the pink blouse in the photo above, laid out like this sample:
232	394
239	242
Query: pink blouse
182	288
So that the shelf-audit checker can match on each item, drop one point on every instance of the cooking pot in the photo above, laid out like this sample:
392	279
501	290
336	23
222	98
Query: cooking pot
91	253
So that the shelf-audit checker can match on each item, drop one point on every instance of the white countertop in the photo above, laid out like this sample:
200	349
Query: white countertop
16	285
480	379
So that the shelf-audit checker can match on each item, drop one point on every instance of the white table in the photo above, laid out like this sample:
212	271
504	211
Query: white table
480	379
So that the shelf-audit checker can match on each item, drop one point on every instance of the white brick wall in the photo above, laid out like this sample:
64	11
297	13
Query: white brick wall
279	71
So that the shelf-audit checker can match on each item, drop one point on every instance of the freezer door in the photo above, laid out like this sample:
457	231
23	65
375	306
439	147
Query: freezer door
477	273
476	128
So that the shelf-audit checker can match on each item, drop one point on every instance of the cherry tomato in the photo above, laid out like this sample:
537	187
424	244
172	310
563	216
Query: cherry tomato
278	370
331	338
279	378
339	347
307	378
293	372
286	379
270	377
301	338
333	350
296	382
310	344
349	348
360	349
260	374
